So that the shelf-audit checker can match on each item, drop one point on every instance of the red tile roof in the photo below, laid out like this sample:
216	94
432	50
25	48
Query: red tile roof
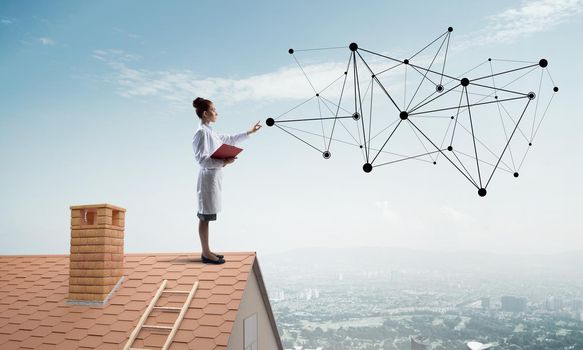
34	312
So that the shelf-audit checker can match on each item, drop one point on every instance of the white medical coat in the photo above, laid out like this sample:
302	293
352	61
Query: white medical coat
210	177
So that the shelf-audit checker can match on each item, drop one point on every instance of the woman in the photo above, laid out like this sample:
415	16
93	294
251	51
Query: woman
208	187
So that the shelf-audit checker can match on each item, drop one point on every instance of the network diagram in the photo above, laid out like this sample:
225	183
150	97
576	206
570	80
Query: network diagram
481	121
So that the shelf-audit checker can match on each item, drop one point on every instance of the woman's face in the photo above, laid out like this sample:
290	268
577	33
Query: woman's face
211	115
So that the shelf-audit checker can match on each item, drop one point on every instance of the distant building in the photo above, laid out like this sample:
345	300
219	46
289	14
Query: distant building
396	276
554	303
513	304
419	343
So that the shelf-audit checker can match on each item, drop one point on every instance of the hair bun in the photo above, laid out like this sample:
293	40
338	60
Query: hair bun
197	101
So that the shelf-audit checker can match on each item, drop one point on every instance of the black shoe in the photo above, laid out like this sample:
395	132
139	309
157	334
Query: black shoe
210	261
219	256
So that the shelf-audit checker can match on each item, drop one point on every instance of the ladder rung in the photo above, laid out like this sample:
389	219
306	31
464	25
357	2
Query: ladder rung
177	291
168	308
157	327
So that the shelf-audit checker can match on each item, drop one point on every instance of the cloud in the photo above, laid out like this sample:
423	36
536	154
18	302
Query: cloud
288	82
515	23
182	85
6	20
46	41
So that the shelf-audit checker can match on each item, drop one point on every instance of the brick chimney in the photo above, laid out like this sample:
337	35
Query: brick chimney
96	260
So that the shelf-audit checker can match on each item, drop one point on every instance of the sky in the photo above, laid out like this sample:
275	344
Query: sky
96	108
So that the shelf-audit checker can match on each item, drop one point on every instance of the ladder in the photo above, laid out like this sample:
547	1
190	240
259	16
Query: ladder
152	306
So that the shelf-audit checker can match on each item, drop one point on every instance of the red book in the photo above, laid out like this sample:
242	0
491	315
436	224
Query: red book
226	151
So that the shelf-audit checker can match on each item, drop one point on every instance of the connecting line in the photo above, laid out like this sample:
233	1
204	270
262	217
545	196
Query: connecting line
536	105
356	78
332	83
543	117
405	88
422	144
378	54
484	162
446	157
305	75
378	81
513	122
514	61
418	52
370	116
499	89
431	71
322	122
444	137
301	104
388	69
298	138
384	144
482	144
462	164
321	48
340	121
505	72
445	59
502	119
338	108
456	118
311	119
513	131
425	75
473	136
400	160
335	105
380	132
433	99
472	105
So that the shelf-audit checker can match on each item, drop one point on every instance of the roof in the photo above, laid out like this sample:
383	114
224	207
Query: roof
34	312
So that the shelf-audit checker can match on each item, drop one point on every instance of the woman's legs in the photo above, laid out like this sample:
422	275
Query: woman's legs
203	233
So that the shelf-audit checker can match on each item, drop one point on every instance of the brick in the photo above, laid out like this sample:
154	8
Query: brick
79	241
91	257
88	296
96	265
90	289
96	249
76	221
75	213
88	233
104	220
104	211
93	281
95	272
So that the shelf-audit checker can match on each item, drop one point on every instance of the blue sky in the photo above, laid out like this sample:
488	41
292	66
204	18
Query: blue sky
96	108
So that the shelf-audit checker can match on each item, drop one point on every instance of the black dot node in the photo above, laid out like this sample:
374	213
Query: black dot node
372	76
482	192
356	116
406	61
439	88
543	63
452	117
530	143
515	174
317	95
270	122
291	51
489	60
353	46
531	95
449	148
345	73
326	154
450	29
434	163
403	115
367	167
465	82
496	97
360	146
555	89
